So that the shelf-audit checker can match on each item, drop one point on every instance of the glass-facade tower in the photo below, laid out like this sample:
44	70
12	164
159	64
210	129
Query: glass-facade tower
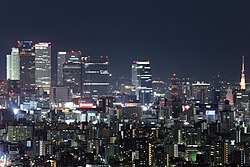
43	66
27	65
13	65
142	80
96	76
72	68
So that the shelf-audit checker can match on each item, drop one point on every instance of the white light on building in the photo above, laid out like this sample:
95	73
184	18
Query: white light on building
13	65
43	66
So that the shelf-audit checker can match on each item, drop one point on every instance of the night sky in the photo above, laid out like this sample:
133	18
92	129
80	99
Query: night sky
193	38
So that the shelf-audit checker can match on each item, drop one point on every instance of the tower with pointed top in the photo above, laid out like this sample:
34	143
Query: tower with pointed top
243	78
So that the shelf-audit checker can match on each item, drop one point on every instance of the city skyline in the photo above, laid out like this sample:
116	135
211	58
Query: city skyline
203	37
124	83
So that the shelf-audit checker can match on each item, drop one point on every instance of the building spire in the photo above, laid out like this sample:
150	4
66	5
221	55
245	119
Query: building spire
243	64
243	79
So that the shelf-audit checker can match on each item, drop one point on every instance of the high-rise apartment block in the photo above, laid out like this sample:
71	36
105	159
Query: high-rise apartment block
142	80
43	66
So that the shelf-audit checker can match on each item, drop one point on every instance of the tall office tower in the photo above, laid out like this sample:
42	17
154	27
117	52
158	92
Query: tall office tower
201	92
43	66
142	79
13	65
60	60
73	72
185	90
134	80
176	101
27	65
96	76
174	87
227	121
243	78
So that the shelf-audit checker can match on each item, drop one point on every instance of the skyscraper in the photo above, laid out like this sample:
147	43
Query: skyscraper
142	79
72	72
60	60
13	65
243	79
201	92
27	65
96	76
43	66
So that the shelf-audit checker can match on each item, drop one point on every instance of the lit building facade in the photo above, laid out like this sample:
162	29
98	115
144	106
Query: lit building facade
96	76
27	64
201	92
142	80
229	96
59	94
14	92
60	60
72	72
13	65
243	78
19	132
241	96
43	66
